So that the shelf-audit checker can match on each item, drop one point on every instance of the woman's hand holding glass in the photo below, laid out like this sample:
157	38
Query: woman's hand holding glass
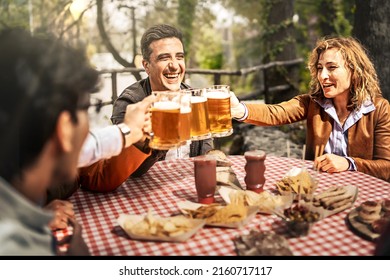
237	109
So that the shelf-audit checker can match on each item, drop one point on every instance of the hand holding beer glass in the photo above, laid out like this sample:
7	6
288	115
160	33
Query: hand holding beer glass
165	120
218	103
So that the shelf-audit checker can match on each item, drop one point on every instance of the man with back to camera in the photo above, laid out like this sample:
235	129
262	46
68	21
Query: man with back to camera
44	123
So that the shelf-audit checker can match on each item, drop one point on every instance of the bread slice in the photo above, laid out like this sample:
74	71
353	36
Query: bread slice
227	177
225	173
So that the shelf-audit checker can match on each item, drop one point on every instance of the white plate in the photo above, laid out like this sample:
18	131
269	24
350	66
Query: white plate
123	218
185	204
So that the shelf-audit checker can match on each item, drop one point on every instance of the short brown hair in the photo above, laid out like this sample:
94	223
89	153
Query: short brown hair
156	33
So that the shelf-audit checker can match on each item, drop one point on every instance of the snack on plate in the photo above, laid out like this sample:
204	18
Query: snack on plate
152	226
335	198
297	181
265	201
300	219
370	219
219	214
229	214
204	211
299	213
369	212
234	212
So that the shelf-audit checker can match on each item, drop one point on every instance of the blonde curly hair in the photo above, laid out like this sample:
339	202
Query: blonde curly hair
364	79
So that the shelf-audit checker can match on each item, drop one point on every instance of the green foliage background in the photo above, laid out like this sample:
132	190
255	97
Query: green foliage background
203	38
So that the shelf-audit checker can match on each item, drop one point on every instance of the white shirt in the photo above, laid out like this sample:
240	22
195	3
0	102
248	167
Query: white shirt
338	139
181	152
100	144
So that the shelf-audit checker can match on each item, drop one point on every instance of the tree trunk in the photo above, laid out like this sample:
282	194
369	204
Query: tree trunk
327	14
280	45
107	42
372	28
185	19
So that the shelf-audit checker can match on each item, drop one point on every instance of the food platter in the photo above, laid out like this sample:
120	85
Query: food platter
127	222
363	230
265	202
186	207
349	191
297	180
369	219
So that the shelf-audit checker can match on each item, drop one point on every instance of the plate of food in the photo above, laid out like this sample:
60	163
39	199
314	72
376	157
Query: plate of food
297	181
266	202
300	218
234	215
334	200
154	228
369	219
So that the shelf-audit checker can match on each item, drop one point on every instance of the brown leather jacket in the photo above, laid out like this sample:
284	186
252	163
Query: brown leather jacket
368	139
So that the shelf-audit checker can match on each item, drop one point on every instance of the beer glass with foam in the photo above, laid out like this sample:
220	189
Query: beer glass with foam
165	120
185	118
218	105
200	126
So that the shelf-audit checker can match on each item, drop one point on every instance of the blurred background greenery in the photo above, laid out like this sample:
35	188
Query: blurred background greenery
218	34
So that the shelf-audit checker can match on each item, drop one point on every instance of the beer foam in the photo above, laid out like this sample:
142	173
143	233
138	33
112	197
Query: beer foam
217	94
185	110
166	105
198	99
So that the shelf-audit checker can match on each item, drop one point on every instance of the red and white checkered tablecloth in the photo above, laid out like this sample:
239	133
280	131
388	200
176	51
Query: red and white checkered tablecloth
173	180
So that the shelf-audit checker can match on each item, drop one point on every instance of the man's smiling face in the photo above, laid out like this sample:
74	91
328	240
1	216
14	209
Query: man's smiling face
166	66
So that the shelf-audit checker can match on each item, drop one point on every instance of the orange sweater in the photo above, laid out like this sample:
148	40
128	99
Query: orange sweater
107	175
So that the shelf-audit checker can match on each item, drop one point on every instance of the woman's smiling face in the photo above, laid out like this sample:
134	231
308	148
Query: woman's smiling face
332	73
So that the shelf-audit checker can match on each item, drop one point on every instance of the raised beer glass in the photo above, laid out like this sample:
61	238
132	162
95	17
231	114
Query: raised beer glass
218	105
185	118
165	120
200	126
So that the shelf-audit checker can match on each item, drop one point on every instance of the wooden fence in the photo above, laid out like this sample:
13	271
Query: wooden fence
217	77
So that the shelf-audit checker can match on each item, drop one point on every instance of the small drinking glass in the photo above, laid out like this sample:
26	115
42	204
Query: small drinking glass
205	169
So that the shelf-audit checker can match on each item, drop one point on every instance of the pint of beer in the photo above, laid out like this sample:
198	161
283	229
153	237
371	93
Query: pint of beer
185	118
218	104
200	126
165	120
